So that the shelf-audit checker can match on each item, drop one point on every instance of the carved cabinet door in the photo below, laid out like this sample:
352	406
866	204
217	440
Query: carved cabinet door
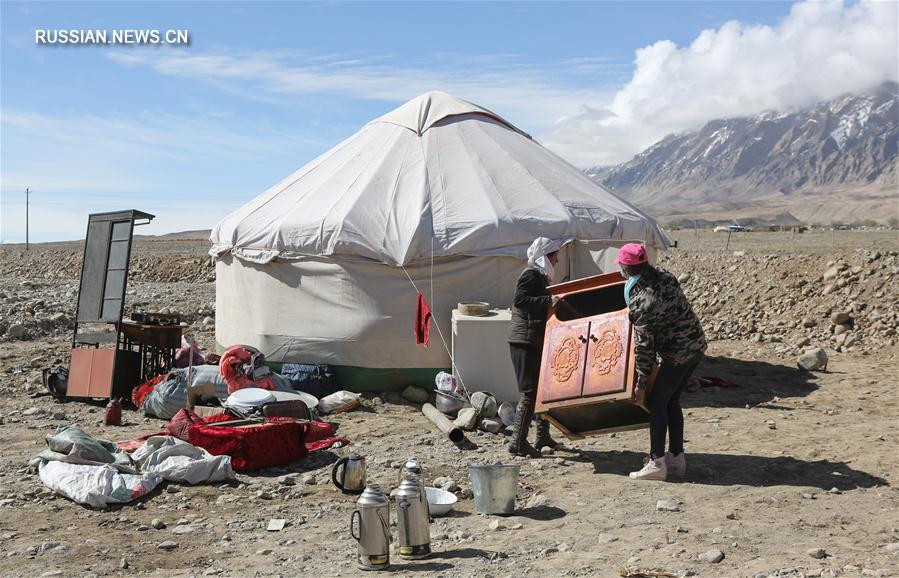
563	362
607	354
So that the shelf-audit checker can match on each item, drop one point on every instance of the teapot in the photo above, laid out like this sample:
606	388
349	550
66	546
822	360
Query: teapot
351	478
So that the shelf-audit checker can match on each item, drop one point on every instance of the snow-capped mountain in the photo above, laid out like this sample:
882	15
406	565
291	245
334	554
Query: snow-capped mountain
847	144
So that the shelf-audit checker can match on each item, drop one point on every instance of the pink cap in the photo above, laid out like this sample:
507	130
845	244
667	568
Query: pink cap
632	254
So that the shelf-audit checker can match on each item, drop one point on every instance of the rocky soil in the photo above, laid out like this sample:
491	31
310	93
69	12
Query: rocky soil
38	288
846	301
791	474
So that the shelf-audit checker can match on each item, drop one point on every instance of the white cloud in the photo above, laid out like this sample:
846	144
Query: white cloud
185	170
61	221
140	154
156	133
527	95
171	165
819	51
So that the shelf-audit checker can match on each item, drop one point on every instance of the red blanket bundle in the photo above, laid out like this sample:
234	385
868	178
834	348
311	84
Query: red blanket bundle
140	393
276	442
252	447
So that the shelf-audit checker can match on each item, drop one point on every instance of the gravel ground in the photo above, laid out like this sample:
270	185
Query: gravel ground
790	474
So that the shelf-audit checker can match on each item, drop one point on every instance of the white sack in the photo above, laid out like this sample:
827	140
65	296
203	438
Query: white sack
178	461
96	486
336	400
170	396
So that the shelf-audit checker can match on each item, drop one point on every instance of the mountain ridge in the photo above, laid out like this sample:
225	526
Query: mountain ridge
842	153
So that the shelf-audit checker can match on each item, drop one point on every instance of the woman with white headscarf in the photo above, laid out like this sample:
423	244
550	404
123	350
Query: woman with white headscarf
529	312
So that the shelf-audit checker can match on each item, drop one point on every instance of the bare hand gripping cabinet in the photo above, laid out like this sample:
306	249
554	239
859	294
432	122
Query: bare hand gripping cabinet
587	374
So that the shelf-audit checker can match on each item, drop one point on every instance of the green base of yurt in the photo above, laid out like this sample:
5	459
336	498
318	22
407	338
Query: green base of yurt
383	379
380	379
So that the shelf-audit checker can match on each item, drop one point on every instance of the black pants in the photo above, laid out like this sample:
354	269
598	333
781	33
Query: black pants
526	362
665	414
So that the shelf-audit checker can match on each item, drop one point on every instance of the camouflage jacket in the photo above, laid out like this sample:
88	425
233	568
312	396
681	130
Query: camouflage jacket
664	322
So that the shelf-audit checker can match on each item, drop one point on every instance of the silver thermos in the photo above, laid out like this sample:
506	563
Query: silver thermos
350	479
412	513
371	519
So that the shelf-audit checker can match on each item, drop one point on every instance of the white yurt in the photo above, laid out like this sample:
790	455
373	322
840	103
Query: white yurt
439	195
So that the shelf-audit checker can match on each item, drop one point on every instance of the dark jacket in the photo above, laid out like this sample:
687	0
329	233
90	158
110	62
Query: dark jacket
529	309
664	322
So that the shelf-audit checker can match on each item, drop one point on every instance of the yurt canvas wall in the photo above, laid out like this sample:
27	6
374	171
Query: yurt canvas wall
357	315
312	270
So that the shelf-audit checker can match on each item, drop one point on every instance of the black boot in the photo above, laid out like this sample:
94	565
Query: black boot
543	440
519	445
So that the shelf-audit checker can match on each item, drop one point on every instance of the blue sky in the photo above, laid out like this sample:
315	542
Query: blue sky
191	132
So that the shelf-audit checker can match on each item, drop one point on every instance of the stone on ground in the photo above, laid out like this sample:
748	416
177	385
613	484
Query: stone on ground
415	394
814	360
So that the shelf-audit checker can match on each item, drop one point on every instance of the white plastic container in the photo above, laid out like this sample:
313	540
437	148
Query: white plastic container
249	398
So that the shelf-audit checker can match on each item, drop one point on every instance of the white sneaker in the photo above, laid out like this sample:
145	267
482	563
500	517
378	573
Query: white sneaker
677	466
653	470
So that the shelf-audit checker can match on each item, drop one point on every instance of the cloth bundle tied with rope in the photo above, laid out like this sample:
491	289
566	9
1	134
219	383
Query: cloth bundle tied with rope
243	366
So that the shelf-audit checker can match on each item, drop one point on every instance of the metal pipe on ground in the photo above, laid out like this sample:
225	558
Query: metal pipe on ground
452	433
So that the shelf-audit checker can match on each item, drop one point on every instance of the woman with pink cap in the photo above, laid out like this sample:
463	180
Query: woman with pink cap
667	331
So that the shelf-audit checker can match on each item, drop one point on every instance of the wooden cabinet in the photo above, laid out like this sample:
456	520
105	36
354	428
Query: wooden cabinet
587	373
562	369
607	363
102	373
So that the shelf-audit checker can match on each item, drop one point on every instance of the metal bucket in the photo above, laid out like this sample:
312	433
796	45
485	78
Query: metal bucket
449	404
494	488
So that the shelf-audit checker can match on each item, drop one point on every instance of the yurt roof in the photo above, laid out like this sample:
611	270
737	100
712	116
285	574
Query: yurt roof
421	113
437	176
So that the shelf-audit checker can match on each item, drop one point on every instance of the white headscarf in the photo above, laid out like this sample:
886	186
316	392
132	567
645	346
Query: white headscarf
537	252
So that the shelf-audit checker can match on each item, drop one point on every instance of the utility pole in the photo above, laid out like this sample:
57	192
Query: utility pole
27	193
